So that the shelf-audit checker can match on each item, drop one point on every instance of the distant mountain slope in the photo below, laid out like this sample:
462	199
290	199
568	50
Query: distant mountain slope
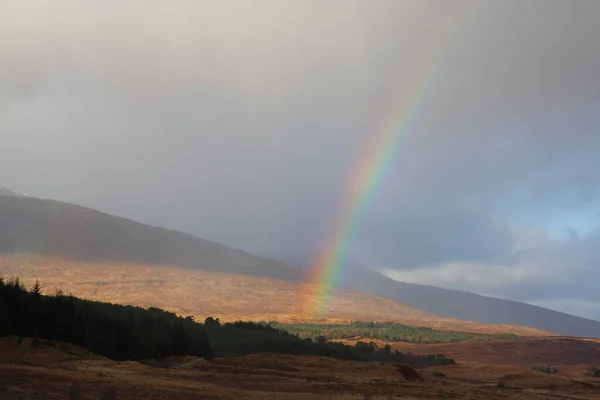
470	307
51	228
9	192
460	305
35	226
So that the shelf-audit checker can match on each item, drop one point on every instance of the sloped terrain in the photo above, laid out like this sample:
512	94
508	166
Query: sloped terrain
48	229
227	296
53	228
469	306
453	303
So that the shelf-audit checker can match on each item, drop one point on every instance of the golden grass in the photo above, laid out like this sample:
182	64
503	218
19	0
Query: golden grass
44	373
227	296
563	353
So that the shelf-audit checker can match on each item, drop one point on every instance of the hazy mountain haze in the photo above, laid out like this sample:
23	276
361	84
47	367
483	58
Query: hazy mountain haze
47	228
242	122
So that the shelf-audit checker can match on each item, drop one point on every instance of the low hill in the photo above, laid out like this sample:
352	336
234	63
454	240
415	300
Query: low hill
52	228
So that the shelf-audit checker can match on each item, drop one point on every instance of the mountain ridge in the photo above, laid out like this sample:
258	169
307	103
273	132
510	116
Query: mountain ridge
4	191
52	228
33	225
471	306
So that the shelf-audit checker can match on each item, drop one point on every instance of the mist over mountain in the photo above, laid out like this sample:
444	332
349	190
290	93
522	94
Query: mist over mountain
9	192
48	227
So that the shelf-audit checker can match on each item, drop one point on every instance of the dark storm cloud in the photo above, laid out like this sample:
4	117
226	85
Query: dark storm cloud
242	122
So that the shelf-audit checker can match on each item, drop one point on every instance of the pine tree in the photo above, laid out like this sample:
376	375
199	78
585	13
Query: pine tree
36	290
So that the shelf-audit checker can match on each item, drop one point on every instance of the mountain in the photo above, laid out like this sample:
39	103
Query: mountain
457	304
9	192
52	228
469	306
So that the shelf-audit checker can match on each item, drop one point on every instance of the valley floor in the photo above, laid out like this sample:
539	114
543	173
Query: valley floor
60	371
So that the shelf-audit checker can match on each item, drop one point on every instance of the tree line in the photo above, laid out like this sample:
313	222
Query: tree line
385	331
132	333
114	331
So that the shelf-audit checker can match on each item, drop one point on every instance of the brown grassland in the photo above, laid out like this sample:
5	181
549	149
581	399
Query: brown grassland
486	370
226	296
560	351
50	370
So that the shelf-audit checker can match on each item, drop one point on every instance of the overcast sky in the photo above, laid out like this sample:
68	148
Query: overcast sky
242	122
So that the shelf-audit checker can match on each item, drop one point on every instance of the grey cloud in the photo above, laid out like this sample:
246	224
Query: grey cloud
555	272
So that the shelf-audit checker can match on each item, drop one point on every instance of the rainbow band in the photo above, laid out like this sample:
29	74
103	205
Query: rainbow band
373	167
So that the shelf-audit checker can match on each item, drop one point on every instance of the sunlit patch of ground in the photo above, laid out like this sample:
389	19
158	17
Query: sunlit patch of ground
227	296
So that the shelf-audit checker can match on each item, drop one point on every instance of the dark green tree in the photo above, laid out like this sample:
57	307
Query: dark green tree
36	290
210	321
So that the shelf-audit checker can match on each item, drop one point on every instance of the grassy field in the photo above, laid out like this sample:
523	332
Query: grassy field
61	371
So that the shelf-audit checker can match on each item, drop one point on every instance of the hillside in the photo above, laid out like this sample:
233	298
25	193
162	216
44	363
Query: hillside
227	296
47	229
457	304
53	228
469	306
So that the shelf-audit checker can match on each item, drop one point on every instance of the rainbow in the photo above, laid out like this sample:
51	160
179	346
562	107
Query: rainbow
373	167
